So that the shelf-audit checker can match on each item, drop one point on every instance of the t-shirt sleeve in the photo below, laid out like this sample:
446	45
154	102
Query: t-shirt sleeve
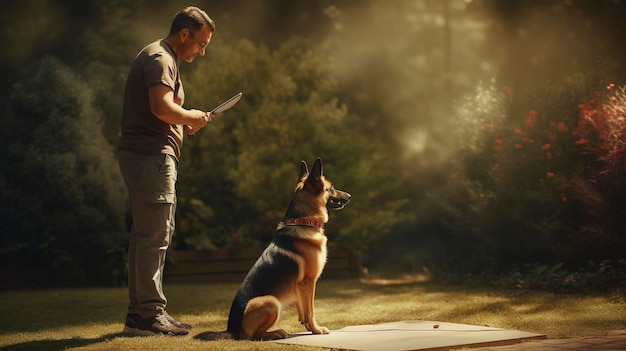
159	69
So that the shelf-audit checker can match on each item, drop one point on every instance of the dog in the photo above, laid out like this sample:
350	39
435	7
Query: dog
288	270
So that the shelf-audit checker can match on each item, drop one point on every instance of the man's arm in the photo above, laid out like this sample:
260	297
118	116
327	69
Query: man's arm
163	106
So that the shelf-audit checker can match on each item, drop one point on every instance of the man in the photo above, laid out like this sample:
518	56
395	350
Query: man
153	125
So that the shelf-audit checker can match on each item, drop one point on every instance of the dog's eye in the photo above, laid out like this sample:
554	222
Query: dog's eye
331	188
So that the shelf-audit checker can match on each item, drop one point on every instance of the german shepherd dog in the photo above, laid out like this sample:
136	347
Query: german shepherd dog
288	269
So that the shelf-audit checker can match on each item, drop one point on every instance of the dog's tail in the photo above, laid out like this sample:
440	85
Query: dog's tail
212	336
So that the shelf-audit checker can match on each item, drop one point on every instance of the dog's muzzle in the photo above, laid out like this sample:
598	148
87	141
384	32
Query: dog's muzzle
339	200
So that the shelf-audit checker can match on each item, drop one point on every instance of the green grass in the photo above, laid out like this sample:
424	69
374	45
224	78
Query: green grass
92	319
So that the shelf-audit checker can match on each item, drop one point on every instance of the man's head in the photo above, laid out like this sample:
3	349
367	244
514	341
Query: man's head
192	30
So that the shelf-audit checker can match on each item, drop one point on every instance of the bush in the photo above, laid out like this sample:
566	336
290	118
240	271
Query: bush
593	277
597	188
67	198
538	180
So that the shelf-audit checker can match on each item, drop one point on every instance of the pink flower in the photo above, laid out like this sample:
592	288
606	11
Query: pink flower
582	141
497	144
529	123
545	147
549	175
507	91
561	127
495	167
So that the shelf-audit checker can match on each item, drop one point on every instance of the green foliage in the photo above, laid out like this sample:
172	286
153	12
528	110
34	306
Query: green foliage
244	165
106	56
373	88
66	193
592	278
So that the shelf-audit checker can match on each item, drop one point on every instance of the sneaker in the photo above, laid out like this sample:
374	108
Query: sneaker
157	325
179	324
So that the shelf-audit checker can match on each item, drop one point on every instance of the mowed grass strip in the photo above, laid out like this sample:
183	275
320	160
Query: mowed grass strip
92	318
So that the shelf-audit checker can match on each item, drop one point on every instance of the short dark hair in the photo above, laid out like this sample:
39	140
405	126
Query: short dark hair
191	18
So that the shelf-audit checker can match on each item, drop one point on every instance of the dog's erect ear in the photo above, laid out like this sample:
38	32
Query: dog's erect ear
304	170
317	168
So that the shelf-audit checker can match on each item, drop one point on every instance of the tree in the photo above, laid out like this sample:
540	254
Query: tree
239	171
60	176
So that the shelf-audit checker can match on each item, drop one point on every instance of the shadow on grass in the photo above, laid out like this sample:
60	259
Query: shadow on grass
59	344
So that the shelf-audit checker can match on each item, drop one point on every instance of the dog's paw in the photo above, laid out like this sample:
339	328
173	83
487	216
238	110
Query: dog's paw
320	330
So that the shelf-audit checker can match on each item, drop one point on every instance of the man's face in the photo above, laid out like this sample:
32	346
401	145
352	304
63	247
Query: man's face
195	43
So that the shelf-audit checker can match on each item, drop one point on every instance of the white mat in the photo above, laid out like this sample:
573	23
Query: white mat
411	335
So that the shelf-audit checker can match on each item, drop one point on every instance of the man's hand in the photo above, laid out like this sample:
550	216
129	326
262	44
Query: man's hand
201	120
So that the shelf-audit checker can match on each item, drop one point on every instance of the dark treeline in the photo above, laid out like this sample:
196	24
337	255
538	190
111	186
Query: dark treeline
416	108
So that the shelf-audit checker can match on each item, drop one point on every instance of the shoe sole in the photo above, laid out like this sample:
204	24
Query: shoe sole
144	332
137	332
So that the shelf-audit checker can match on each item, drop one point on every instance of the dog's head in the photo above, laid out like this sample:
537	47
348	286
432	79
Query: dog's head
315	183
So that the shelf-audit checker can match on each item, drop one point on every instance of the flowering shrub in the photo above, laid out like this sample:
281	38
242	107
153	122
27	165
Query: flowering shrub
586	165
597	186
538	179
533	150
537	191
601	133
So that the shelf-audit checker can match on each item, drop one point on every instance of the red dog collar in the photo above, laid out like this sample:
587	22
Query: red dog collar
309	222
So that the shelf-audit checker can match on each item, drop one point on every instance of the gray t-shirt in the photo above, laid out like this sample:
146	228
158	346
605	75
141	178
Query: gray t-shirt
142	131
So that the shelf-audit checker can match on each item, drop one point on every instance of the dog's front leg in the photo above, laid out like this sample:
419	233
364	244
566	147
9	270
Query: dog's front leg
306	309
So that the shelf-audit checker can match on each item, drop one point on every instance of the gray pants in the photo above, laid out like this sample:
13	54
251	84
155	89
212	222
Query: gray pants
151	182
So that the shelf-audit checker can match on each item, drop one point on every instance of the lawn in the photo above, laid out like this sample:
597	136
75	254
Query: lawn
92	318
